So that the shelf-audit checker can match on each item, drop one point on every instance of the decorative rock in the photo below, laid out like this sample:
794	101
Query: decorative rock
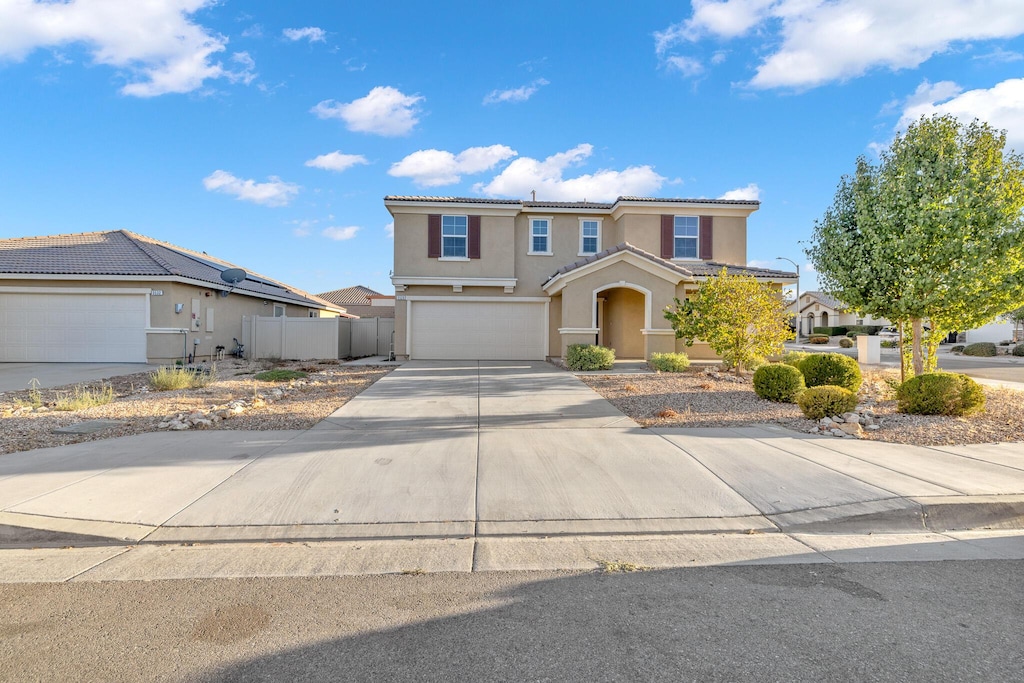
872	428
203	423
837	432
178	426
825	421
237	410
196	415
837	419
851	417
851	428
163	425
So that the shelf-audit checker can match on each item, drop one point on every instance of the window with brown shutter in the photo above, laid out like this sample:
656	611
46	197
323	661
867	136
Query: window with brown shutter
434	236
706	238
667	237
474	237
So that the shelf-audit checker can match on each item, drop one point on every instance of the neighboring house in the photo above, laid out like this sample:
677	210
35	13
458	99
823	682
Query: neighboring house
362	301
118	296
522	280
817	309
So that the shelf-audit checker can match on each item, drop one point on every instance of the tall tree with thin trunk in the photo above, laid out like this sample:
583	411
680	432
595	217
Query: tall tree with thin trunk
931	234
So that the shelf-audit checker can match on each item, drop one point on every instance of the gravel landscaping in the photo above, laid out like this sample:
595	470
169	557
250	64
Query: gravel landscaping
706	398
234	400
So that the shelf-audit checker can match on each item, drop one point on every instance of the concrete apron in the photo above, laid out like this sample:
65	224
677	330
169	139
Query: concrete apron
472	466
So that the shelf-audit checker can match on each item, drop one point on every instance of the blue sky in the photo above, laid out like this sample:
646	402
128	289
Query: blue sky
268	134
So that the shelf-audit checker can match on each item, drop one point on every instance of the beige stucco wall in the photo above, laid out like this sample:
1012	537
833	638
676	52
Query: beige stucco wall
728	235
165	346
496	248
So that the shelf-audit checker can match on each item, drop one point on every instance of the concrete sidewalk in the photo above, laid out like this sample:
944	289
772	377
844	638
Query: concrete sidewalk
480	463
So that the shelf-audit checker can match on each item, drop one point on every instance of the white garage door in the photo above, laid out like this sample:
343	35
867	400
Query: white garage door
450	330
72	328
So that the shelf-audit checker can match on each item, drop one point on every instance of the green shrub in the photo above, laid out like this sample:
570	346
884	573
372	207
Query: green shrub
854	335
980	349
957	349
778	382
863	329
280	375
794	358
888	344
83	397
834	369
754	363
846	343
585	357
831	331
669	362
1018	350
817	339
825	401
940	393
167	379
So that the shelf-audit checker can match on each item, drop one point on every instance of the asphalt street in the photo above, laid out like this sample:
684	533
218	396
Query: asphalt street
924	621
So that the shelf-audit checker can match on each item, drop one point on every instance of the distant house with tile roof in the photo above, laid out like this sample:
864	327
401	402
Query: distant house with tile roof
818	309
117	296
362	301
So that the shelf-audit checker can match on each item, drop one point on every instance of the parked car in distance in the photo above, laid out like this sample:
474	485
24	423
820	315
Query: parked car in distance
890	333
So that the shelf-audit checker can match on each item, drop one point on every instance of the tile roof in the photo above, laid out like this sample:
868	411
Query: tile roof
690	270
825	299
124	253
570	205
355	296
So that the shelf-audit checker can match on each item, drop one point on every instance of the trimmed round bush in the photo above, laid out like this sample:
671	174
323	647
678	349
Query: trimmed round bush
587	357
1018	350
825	401
669	362
940	393
959	348
822	369
846	343
794	358
888	344
980	349
778	382
817	339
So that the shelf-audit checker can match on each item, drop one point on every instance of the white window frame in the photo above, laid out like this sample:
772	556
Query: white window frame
695	238
465	239
282	308
550	221
313	313
599	229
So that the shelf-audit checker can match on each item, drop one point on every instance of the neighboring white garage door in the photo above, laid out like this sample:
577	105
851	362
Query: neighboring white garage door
474	330
72	328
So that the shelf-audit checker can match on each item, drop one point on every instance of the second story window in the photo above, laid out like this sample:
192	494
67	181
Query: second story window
454	230
540	235
590	240
686	230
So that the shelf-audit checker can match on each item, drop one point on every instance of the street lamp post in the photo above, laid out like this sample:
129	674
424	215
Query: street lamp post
796	303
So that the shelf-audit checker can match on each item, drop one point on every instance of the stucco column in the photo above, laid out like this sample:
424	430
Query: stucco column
659	341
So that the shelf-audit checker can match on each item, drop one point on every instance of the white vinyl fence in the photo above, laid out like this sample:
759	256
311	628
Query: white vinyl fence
316	338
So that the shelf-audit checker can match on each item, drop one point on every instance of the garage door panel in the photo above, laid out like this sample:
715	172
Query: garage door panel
83	328
452	330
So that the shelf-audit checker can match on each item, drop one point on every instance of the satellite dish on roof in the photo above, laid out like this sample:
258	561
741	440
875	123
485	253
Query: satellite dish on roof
232	276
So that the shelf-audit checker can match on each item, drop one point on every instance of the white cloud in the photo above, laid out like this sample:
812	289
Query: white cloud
520	94
311	33
1002	106
547	177
254	31
336	161
688	66
750	192
340	234
812	42
389	230
156	43
434	167
759	263
276	192
384	111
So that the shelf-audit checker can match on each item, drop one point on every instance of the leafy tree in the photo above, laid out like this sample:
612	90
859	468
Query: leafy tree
1016	317
933	233
741	319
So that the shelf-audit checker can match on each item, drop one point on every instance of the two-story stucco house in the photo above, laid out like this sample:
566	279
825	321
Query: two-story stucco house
522	280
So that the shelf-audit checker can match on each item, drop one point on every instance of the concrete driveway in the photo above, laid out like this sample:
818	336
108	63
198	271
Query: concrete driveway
18	376
464	450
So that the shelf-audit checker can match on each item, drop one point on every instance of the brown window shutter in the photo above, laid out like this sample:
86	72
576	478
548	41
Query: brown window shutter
434	236
668	246
474	237
706	238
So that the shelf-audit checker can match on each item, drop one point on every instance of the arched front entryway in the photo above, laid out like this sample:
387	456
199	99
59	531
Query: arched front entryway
824	319
809	324
621	313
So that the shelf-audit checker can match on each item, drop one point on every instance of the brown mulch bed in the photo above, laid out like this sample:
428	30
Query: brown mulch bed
699	399
140	409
